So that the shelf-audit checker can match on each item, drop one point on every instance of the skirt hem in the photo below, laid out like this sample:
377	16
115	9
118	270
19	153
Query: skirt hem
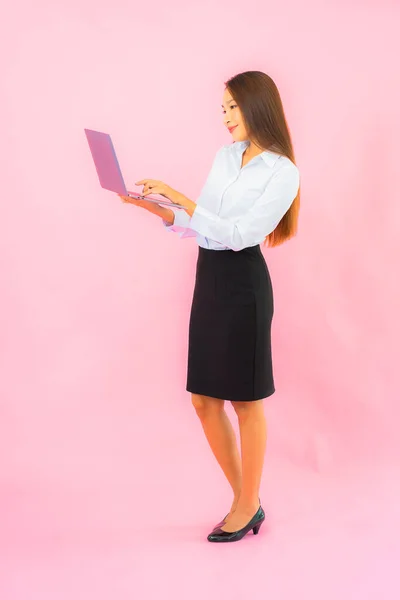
204	392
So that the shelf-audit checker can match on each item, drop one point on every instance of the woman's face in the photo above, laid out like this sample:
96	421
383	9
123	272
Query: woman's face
233	118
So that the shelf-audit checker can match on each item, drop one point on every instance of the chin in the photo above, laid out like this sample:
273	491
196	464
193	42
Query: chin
239	137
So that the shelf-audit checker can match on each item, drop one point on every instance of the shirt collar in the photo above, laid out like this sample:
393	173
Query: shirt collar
268	157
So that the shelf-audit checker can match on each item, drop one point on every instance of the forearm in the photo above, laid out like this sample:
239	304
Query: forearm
166	214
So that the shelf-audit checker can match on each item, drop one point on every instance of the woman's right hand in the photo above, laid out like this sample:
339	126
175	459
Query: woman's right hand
161	211
135	201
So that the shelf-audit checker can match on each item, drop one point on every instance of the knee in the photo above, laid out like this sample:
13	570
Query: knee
206	406
247	410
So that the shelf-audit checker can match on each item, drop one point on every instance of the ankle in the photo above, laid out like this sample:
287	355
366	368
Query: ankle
248	505
237	492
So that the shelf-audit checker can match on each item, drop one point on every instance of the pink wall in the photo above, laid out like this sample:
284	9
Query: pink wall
97	433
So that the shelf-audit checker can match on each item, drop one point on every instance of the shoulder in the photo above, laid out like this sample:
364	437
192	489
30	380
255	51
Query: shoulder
286	168
286	163
284	175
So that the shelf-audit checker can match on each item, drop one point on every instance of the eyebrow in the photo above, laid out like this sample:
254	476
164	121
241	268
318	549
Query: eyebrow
231	100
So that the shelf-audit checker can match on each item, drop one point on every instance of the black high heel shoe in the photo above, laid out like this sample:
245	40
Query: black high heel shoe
219	535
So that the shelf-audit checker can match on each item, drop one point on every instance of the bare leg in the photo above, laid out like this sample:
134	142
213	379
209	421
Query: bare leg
222	440
253	436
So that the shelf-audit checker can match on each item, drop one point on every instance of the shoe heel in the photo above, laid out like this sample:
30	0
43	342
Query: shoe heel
256	529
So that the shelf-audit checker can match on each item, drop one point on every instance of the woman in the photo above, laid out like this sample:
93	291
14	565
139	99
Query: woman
251	194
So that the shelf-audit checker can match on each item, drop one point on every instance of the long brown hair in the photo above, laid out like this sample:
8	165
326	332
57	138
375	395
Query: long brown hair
261	106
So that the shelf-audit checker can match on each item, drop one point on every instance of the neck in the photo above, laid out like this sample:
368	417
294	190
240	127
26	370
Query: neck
253	150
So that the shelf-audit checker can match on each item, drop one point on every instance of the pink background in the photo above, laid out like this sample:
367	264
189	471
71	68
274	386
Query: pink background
108	488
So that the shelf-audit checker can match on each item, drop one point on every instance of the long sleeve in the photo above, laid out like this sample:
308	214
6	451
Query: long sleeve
180	224
259	221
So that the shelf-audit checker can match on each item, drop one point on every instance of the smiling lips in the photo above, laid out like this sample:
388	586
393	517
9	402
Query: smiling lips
232	128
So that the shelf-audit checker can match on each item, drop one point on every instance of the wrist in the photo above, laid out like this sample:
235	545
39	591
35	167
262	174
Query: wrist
188	205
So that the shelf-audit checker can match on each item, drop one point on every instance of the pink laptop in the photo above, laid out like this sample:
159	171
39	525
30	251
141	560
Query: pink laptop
108	169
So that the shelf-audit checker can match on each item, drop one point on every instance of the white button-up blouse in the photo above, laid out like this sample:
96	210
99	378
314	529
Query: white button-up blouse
238	207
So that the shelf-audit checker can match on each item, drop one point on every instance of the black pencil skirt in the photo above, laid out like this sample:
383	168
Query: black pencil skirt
229	352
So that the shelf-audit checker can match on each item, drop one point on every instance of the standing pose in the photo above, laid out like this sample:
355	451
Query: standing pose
251	195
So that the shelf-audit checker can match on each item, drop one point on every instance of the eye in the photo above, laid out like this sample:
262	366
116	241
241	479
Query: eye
231	106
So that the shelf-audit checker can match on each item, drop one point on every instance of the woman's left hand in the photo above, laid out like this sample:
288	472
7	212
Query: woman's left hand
153	186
